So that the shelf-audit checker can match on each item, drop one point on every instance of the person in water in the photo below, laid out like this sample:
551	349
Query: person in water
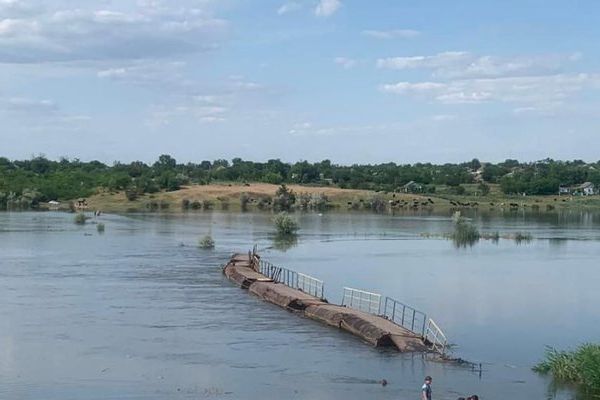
426	389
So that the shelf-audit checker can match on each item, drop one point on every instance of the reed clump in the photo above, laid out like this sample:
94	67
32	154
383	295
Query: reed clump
206	243
580	367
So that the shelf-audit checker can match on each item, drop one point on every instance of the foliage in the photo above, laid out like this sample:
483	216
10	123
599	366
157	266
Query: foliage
206	243
26	183
80	218
483	188
285	224
465	233
284	199
581	367
244	200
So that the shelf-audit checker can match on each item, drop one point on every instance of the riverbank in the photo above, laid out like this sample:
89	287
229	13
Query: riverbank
227	196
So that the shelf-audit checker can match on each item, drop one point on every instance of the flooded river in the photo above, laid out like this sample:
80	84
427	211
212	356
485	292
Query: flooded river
139	312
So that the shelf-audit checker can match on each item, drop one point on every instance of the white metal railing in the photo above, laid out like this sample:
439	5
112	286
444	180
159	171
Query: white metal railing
293	279
435	337
310	285
362	300
404	315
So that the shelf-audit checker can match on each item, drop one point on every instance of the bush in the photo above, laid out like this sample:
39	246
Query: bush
224	203
580	367
80	218
207	205
185	204
285	224
284	199
100	227
244	200
484	189
264	203
465	233
131	194
206	243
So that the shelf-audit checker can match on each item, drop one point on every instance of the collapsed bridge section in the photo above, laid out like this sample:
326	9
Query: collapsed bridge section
380	322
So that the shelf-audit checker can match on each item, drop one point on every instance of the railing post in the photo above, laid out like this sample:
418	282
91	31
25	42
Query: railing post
412	327
393	311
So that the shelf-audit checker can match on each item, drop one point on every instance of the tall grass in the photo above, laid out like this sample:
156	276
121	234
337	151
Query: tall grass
465	233
580	367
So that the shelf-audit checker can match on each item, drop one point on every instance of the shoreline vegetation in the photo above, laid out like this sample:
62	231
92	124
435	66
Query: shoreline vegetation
169	186
580	367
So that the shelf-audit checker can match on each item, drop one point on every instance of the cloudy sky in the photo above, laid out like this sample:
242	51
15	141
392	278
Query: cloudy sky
349	80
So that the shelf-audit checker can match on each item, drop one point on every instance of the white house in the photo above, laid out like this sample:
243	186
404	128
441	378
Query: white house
585	189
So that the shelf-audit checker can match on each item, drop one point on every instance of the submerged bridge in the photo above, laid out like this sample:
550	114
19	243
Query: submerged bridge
380	321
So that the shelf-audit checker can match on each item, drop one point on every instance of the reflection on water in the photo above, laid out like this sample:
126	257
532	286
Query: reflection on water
285	242
133	314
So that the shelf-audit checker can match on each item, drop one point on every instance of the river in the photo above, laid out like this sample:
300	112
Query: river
140	312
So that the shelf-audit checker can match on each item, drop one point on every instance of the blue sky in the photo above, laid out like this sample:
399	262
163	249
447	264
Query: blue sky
348	80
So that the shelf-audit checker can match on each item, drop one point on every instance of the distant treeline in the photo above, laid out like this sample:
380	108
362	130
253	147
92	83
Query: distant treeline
23	184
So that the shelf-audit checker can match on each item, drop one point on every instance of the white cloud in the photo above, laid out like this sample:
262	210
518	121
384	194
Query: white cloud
392	34
346	63
288	7
531	91
443	117
460	64
326	8
55	31
408	87
441	60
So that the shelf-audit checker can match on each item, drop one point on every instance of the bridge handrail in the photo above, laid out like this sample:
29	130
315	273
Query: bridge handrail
405	316
435	336
310	285
293	279
362	300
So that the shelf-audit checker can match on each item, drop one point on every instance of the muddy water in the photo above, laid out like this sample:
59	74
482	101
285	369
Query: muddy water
140	313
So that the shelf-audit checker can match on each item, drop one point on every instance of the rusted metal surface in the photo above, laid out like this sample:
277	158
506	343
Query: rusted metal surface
371	328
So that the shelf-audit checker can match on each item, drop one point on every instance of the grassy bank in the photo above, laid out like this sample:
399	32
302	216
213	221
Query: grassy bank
580	367
228	196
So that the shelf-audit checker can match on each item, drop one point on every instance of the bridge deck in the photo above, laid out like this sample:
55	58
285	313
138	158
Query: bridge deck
373	329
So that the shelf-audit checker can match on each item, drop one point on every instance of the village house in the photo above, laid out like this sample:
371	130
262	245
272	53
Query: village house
585	189
412	187
564	189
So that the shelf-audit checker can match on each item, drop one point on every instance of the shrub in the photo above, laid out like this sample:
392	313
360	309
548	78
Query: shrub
264	203
465	233
80	218
207	205
196	205
376	204
131	194
185	204
100	227
206	243
224	203
284	199
244	200
285	224
484	189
